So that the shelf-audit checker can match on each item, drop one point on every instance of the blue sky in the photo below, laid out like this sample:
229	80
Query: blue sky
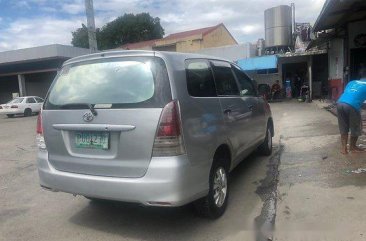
28	23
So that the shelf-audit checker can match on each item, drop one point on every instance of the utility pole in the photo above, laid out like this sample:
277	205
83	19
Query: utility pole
91	26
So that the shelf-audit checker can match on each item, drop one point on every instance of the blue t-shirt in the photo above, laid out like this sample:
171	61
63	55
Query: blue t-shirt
354	94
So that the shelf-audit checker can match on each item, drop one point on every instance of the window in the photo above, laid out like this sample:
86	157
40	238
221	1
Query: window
16	101
245	83
224	79
267	71
262	71
31	100
200	81
128	82
272	71
39	100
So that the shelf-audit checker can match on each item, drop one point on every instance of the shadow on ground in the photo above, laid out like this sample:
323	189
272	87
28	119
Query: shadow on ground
181	223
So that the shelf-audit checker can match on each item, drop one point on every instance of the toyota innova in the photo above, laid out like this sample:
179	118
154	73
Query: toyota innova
155	128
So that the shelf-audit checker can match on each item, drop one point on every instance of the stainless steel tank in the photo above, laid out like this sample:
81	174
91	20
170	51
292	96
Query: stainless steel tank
277	23
260	47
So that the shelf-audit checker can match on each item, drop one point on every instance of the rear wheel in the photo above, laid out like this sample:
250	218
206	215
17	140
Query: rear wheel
266	147
10	115
27	112
214	204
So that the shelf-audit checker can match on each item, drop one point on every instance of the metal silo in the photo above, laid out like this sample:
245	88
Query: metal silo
278	27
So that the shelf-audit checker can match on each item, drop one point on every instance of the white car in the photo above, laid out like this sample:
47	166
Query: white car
26	105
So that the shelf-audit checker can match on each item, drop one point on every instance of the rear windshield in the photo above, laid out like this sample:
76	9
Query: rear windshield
16	101
112	83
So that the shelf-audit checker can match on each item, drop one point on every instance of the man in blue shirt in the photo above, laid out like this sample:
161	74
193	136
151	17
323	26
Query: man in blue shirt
349	112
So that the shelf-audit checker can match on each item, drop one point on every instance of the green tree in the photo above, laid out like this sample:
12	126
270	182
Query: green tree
128	28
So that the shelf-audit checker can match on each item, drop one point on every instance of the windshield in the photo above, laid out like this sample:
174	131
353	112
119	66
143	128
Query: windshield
115	83
16	101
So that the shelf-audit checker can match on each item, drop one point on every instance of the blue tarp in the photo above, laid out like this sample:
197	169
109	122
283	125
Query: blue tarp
257	63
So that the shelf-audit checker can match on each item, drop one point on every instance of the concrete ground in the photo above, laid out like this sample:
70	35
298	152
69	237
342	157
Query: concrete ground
28	212
305	191
321	193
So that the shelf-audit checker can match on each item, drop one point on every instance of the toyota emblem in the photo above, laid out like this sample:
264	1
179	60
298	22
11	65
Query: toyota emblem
88	116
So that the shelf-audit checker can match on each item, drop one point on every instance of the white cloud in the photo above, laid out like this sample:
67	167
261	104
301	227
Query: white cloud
25	33
244	19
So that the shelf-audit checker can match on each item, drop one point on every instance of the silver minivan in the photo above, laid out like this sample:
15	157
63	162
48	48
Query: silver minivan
155	128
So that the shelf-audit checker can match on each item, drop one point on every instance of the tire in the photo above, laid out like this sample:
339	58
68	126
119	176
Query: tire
210	206
266	147
10	115
27	112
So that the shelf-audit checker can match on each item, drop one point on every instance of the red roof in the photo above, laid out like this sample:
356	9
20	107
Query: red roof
180	35
140	44
189	33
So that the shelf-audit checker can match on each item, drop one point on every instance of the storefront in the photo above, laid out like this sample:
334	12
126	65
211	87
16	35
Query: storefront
301	69
341	30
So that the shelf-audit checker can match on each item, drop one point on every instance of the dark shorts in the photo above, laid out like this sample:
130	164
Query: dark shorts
349	120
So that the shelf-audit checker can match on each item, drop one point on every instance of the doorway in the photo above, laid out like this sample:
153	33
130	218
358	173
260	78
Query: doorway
297	74
358	59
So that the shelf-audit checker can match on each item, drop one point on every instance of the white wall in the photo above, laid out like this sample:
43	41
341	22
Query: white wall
336	59
269	79
231	52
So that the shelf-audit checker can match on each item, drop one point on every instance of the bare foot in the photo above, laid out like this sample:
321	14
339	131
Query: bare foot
356	149
344	152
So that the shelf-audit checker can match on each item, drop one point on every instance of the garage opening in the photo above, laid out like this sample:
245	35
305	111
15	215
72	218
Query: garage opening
8	86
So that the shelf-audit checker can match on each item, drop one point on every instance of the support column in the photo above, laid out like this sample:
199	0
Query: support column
21	83
310	70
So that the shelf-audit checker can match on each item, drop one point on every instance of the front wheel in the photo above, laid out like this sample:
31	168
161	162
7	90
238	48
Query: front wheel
266	147
27	112
10	115
214	204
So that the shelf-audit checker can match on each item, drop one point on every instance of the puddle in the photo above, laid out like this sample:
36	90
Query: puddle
267	191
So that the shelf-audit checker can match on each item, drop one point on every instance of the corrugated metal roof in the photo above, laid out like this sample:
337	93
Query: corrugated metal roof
41	52
336	13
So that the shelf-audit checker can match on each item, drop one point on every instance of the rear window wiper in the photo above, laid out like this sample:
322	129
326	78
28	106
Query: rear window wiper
79	105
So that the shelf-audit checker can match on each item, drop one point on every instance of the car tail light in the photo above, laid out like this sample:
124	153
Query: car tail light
40	138
14	107
168	139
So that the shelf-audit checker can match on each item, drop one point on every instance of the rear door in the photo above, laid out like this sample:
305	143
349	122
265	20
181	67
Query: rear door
39	103
127	94
255	103
235	110
32	104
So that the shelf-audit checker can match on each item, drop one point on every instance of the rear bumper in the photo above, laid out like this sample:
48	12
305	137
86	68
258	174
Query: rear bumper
169	181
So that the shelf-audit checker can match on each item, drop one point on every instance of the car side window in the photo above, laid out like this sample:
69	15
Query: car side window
200	82
39	100
31	100
224	79
245	83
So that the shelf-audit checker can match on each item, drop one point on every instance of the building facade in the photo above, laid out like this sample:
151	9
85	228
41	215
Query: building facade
31	71
188	41
341	30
